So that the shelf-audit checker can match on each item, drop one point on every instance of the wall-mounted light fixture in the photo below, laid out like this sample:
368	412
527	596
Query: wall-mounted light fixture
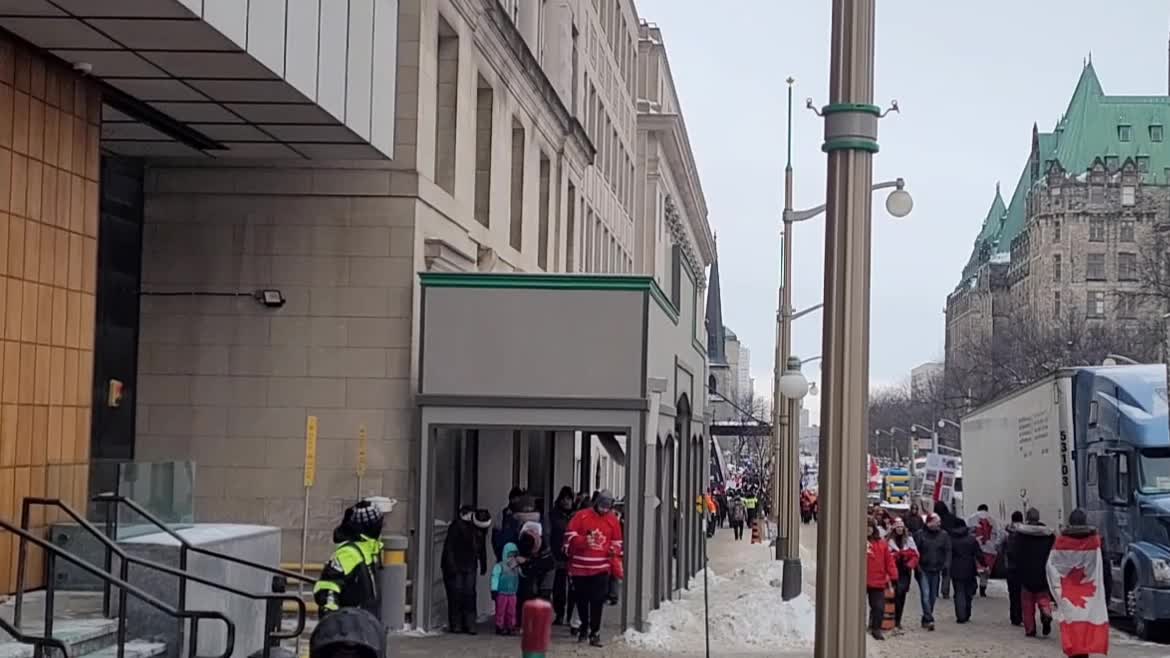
270	298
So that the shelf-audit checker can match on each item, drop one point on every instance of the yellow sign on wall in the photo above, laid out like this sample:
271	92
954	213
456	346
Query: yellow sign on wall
361	460
310	451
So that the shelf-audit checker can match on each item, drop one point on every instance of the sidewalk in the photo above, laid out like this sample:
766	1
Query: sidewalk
726	557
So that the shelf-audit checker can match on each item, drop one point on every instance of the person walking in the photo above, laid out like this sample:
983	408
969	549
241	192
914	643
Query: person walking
536	566
505	584
965	554
947	521
1076	560
880	573
750	502
464	555
738	517
593	545
562	513
1030	549
350	578
934	550
1015	611
987	532
906	558
915	522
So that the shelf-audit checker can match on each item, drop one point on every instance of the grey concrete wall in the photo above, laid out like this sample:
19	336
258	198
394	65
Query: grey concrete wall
228	383
255	543
672	351
540	343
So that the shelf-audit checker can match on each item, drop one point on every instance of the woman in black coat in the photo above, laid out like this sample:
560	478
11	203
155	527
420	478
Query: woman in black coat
965	554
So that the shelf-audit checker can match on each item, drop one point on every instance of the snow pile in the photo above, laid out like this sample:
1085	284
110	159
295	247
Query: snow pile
746	614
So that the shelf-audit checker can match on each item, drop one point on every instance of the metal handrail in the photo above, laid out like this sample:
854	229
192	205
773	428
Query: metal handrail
112	548
115	499
39	643
53	552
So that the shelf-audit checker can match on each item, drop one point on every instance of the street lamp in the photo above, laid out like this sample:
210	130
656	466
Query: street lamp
851	122
786	435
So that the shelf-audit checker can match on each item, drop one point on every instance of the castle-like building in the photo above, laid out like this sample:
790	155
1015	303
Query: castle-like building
1066	253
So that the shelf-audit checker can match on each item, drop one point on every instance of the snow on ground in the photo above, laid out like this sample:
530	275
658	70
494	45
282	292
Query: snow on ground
746	613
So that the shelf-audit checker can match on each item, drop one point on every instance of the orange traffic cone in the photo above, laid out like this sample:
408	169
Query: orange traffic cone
756	532
888	611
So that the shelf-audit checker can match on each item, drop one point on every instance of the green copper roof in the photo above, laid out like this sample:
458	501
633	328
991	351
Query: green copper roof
1089	129
1017	212
992	223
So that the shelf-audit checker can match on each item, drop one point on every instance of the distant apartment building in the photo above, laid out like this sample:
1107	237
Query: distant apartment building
924	378
1065	249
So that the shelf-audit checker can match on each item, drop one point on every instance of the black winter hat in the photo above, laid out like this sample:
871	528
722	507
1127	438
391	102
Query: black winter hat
350	628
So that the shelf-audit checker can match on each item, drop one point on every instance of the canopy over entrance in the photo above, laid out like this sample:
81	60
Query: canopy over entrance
508	360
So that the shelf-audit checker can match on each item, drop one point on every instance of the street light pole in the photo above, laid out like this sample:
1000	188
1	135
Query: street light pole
785	462
850	141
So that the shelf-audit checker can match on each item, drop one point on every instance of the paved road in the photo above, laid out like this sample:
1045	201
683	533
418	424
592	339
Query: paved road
988	635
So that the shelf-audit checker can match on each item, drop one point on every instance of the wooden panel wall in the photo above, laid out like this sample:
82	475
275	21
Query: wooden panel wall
49	164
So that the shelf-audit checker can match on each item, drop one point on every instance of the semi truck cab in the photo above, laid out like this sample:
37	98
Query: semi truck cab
1122	451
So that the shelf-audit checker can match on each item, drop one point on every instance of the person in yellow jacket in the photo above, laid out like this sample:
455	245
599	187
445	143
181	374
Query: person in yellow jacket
350	578
750	503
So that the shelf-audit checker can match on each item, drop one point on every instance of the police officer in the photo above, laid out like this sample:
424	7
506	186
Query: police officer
350	578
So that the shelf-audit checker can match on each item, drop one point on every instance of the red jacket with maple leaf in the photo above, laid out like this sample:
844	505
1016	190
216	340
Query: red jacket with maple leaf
593	544
880	568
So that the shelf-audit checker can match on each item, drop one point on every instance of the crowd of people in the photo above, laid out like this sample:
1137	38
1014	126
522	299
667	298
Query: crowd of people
941	554
573	560
733	508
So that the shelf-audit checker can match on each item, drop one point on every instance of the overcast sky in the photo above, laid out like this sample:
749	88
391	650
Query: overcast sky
971	79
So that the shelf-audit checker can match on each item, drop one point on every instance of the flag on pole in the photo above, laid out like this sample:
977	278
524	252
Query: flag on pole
1077	581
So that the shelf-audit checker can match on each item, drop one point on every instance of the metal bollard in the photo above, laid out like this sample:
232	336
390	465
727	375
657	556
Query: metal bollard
536	629
272	613
393	582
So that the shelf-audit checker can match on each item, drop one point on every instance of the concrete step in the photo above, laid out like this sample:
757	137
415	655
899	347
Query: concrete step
81	637
134	649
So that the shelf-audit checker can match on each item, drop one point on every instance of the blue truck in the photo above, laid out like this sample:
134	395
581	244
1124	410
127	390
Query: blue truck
1096	438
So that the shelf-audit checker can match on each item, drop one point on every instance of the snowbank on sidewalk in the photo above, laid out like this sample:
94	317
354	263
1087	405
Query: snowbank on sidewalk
746	613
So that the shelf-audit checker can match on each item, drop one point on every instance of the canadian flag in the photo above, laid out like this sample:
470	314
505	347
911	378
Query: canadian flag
1078	585
875	475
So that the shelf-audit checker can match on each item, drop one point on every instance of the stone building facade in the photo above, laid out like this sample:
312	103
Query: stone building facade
330	162
1069	246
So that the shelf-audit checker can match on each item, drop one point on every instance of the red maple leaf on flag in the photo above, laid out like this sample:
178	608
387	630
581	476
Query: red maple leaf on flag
983	531
1076	588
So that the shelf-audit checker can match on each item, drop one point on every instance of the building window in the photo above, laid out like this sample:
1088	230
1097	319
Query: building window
485	101
1125	133
542	212
1143	163
1095	267
1056	304
1155	133
1127	306
447	100
1127	267
1128	195
516	227
571	230
1096	306
1096	229
1126	231
1056	230
1057	272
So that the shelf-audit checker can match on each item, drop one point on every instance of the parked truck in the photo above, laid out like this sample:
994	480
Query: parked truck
1096	438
